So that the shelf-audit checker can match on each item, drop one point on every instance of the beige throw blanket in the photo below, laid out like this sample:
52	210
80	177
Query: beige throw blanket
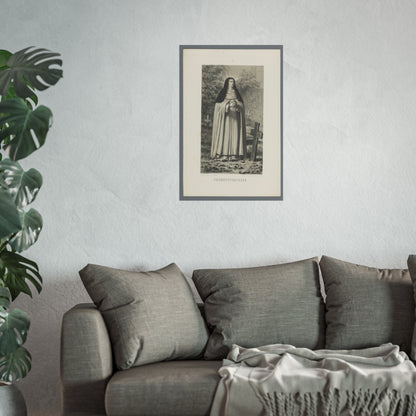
281	380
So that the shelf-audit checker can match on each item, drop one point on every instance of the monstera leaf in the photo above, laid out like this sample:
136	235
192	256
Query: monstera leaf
17	189
10	218
15	360
15	366
22	186
31	101
15	270
4	300
27	128
32	223
4	57
13	331
33	67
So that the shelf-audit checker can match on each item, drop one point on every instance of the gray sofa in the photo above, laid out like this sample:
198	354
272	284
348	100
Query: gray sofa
90	384
248	307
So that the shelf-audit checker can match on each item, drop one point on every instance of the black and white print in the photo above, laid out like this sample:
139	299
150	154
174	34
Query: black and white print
232	119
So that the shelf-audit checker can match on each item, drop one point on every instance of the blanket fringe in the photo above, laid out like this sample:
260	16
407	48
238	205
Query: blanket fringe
358	402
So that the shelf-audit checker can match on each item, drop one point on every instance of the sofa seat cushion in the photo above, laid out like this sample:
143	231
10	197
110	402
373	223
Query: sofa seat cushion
182	388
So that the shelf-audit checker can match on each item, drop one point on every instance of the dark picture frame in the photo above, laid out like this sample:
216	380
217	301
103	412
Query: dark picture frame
231	122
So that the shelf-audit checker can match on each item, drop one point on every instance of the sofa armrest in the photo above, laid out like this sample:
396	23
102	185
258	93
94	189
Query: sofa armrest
86	361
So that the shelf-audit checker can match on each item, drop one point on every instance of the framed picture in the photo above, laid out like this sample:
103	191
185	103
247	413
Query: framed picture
231	122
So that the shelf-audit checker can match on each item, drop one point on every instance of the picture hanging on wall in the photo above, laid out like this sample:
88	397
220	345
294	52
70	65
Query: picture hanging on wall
231	122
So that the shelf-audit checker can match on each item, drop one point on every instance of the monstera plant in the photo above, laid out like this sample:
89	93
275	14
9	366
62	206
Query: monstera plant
23	129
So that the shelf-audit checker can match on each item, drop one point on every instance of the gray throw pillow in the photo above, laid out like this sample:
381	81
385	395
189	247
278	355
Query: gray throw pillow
411	263
262	305
150	316
366	306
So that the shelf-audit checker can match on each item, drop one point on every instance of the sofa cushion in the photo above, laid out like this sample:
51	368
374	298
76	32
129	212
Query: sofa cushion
411	263
366	306
262	305
174	388
151	316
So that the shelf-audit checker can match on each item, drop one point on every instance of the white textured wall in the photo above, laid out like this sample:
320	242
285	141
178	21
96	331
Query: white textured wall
110	163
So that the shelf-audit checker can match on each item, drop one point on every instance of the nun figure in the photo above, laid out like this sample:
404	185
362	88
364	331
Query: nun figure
229	127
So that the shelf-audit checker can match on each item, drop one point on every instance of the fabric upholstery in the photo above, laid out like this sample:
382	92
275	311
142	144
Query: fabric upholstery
172	388
262	305
366	306
86	361
151	316
411	263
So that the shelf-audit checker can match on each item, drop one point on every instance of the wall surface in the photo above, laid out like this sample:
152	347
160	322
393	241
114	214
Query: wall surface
110	164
